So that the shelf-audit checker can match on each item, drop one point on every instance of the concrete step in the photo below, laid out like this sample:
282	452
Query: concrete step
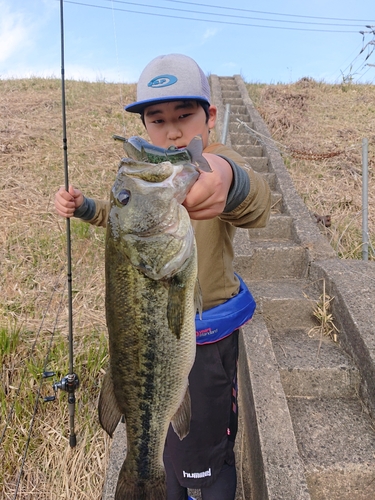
242	117
242	138
249	150
276	201
336	441
235	126
284	303
312	365
228	84
269	260
272	467
258	163
352	284
279	227
229	96
271	179
238	109
233	100
332	437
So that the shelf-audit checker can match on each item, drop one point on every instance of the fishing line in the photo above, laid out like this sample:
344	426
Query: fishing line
118	69
11	411
36	404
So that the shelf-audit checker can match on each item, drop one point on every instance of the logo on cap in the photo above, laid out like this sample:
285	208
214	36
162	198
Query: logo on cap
162	81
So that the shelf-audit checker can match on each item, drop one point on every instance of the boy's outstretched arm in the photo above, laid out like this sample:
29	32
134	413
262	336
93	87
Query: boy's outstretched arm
67	202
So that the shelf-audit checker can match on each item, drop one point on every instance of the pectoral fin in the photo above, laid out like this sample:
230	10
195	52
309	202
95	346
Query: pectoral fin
109	413
181	420
198	299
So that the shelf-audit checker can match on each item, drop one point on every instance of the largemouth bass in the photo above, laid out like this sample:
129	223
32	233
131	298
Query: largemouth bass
141	150
151	277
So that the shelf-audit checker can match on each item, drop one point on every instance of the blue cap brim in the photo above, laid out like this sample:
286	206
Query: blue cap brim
138	107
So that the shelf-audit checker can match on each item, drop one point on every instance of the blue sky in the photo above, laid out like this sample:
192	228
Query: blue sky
113	40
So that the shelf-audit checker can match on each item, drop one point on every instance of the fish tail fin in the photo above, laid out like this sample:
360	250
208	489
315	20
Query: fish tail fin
195	149
109	413
146	490
181	419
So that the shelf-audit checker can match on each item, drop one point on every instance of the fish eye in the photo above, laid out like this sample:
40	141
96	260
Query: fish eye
123	197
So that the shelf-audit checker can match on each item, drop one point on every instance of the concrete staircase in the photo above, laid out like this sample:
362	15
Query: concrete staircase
307	402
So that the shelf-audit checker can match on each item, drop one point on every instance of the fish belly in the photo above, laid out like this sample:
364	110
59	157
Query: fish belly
151	331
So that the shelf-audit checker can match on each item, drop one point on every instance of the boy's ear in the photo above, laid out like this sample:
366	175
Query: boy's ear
212	116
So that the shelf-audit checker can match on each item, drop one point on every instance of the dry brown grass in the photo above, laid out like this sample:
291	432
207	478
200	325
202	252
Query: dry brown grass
33	302
33	306
322	127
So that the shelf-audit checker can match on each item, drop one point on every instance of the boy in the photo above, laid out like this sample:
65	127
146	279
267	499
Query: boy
173	99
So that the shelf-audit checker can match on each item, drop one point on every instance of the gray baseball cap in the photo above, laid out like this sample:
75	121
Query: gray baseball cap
170	78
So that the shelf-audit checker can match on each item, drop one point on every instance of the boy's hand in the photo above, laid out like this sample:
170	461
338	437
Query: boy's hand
208	196
67	202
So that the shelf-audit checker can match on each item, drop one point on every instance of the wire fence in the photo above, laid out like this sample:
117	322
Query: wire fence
286	151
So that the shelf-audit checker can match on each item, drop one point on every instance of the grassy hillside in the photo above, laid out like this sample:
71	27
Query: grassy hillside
305	117
319	129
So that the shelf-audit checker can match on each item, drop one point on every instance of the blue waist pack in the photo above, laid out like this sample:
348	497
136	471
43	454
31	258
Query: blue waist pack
220	321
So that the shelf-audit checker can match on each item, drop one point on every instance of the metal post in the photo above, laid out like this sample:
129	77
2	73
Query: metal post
225	124
365	199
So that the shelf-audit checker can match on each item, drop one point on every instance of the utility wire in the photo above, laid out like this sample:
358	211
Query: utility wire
228	15
353	70
268	13
232	23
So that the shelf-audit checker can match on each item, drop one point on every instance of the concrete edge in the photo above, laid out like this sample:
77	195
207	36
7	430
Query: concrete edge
352	285
268	430
116	459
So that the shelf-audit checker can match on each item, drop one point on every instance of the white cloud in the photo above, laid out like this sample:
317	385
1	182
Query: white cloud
15	32
26	46
209	33
230	65
110	75
72	72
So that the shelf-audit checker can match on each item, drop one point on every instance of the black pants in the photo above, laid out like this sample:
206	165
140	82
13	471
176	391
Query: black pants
224	488
205	459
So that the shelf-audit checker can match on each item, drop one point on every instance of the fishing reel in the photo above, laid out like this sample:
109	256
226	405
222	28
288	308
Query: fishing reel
68	384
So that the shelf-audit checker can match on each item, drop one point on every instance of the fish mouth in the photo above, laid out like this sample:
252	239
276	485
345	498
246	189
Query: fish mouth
174	147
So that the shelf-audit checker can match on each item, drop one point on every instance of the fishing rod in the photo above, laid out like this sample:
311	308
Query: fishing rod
70	382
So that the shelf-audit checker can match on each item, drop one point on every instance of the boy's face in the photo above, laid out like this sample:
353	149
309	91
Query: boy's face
175	123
